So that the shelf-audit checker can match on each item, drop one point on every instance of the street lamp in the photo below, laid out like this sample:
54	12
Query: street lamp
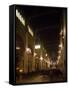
41	58
20	70
17	48
28	50
37	46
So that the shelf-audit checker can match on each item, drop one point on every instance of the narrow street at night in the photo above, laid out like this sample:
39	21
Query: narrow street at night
40	44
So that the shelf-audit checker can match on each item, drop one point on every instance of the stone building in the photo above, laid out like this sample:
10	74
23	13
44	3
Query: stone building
24	45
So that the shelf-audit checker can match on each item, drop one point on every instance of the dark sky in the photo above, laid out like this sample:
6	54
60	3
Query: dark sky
46	23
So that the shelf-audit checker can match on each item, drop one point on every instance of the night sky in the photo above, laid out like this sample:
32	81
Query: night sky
46	23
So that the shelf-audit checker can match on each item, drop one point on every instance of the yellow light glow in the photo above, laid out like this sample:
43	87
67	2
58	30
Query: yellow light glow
41	58
20	70
60	45
18	48
19	16
37	46
64	31
35	54
46	54
28	50
30	31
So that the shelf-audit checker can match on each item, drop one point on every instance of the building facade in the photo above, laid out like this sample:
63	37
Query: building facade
24	46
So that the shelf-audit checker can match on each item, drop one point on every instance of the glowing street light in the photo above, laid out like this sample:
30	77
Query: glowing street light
20	70
37	46
60	45
46	55
17	48
28	50
41	58
64	31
